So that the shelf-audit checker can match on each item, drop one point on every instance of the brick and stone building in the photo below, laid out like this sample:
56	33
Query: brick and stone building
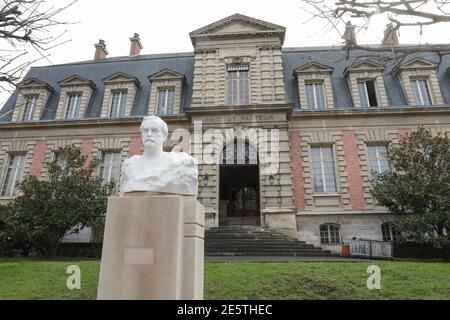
335	114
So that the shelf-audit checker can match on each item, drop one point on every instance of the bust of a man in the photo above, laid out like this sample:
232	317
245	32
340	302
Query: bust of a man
156	170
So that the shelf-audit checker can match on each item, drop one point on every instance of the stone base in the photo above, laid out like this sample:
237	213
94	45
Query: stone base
281	220
153	248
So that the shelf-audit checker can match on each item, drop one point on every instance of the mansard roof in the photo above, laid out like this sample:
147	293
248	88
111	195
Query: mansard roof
141	67
238	26
98	70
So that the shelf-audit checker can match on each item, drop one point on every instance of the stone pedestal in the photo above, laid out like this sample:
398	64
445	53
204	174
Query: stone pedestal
153	248
281	220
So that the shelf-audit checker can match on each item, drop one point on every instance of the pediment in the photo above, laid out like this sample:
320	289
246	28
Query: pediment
119	77
313	67
365	65
166	74
76	80
238	24
35	83
418	63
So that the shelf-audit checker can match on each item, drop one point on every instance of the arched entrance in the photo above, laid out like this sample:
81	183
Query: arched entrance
239	186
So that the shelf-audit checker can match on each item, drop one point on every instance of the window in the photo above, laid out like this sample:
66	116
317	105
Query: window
377	156
323	169
110	168
73	106
238	85
421	92
166	100
367	93
118	103
14	174
315	95
387	231
330	234
28	111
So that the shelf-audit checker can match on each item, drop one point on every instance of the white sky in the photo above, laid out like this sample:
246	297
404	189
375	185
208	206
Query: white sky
164	26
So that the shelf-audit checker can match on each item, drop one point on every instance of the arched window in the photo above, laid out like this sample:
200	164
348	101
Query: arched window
330	234
387	231
239	153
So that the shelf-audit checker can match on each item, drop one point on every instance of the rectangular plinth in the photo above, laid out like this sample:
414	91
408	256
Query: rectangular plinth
153	248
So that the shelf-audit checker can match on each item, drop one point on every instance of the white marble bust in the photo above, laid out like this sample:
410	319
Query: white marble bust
156	170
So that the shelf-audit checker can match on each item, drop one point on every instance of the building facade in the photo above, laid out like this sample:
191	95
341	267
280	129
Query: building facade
324	115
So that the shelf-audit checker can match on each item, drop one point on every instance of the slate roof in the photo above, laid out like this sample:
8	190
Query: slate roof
140	67
143	66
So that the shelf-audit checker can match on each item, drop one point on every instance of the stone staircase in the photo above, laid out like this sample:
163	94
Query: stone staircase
256	241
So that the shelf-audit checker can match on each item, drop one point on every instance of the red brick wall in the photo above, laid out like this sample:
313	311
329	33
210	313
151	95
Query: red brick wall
86	148
354	179
297	171
38	158
135	147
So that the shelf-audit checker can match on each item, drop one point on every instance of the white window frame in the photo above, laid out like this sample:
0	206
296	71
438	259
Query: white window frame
415	84
366	93
322	168
123	95
18	171
240	98
314	84
166	101
329	237
29	101
111	176
76	109
378	157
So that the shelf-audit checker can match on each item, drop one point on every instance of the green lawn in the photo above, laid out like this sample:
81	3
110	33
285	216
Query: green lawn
26	279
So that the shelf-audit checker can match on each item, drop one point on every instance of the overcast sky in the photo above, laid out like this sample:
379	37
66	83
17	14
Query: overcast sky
164	26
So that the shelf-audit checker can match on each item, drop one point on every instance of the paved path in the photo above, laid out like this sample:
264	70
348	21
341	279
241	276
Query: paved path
280	259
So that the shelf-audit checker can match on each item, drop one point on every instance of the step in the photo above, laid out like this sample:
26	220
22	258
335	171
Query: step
321	254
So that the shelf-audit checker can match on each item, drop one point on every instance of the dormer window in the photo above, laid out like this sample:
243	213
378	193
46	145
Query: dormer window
120	93
166	93
367	93
315	95
420	83
166	100
73	106
366	82
118	104
31	101
238	85
314	86
421	92
76	92
29	109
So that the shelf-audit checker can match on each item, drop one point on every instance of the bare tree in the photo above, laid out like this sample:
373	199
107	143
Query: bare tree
401	14
26	26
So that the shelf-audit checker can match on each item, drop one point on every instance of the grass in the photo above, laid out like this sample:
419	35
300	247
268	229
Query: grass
35	280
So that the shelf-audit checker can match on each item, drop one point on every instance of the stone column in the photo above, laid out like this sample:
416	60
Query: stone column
153	248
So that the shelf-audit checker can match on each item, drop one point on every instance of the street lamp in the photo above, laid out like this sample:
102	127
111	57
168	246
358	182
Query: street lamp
271	180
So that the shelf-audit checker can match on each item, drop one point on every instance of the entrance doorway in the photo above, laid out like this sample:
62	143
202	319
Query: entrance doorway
240	192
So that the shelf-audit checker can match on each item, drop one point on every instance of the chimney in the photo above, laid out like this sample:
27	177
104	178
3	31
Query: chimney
136	45
390	35
100	50
349	35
